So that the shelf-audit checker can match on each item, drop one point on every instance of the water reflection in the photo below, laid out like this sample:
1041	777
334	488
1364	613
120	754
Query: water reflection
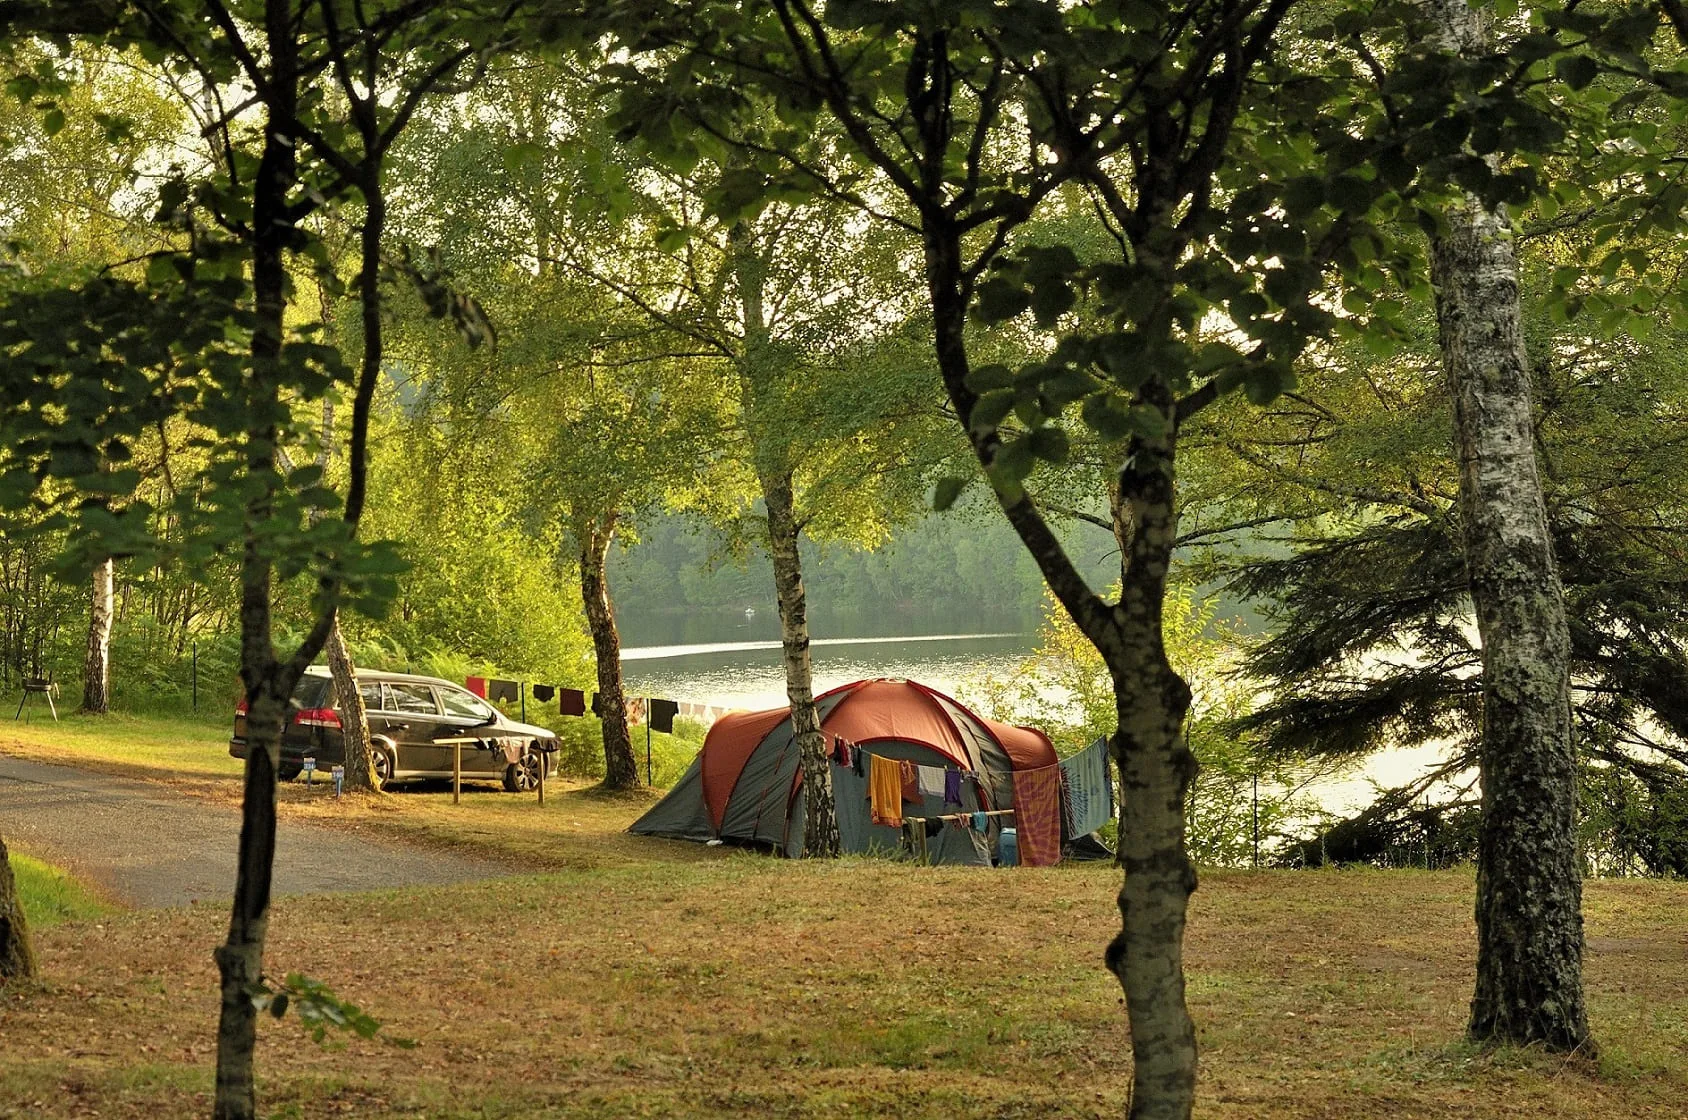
750	674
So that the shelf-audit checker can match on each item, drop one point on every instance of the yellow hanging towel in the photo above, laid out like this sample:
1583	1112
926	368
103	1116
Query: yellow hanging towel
885	790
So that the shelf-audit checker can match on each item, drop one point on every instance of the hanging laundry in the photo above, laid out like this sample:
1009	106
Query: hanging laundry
980	822
914	841
572	702
662	715
911	781
544	692
1090	789
1037	815
635	710
497	689
931	781
859	762
477	685
952	787
885	790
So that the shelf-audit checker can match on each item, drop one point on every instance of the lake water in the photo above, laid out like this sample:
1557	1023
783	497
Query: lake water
734	661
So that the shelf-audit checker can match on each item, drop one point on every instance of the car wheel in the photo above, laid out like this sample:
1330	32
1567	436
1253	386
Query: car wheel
287	771
383	761
520	777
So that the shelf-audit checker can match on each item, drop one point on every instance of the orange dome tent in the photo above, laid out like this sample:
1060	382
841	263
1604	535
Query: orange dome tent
746	785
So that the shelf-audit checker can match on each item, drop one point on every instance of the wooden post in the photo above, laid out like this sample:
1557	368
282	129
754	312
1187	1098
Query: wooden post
456	771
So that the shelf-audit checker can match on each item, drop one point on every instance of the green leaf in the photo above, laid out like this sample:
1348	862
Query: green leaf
53	122
1049	444
983	379
989	410
527	154
1000	299
946	492
1576	70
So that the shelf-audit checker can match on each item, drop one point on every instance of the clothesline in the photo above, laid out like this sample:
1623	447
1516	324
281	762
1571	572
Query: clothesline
962	816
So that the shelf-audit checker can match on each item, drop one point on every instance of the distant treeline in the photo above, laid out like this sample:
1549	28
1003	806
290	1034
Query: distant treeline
961	565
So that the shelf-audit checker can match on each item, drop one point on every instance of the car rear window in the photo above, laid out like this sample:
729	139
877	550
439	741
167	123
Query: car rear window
310	690
418	698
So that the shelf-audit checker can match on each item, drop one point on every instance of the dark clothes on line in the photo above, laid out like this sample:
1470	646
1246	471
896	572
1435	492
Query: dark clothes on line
952	787
571	702
544	692
598	704
503	690
662	715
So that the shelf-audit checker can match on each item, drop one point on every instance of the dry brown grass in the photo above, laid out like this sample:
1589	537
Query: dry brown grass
748	985
649	978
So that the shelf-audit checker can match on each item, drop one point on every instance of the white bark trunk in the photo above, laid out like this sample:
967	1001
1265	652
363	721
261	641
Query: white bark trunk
1529	886
96	669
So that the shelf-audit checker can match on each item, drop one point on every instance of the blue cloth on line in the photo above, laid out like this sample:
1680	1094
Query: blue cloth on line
1090	789
980	822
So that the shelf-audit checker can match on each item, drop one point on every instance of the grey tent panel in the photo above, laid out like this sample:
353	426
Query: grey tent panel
760	804
682	814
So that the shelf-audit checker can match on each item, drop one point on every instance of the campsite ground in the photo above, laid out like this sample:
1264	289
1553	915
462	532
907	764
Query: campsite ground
654	978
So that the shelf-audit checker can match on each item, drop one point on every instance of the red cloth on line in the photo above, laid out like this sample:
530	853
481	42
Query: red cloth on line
477	685
1037	815
911	781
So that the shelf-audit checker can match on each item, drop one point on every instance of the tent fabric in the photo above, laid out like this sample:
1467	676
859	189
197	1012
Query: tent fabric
746	784
682	814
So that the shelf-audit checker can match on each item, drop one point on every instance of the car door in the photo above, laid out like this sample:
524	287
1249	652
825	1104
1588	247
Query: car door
466	714
374	709
412	720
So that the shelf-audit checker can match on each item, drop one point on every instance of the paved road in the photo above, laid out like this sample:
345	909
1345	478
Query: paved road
148	847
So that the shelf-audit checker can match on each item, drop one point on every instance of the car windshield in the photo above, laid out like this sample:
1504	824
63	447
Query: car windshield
463	704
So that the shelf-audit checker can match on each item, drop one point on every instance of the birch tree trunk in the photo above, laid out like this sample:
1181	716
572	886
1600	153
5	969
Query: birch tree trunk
820	819
621	768
354	720
1529	878
758	370
17	958
1156	770
96	666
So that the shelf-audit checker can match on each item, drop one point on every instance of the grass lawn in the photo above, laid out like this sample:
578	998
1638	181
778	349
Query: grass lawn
651	978
748	986
185	751
50	896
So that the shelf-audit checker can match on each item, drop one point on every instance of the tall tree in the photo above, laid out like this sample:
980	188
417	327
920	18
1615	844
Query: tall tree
96	666
1529	874
933	102
241	228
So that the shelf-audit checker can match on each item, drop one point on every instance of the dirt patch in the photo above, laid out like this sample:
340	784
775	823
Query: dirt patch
146	845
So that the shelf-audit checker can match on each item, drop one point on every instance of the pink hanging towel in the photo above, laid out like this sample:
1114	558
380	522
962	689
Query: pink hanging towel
1037	815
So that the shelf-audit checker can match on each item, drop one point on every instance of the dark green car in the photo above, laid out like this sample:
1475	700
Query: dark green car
406	715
